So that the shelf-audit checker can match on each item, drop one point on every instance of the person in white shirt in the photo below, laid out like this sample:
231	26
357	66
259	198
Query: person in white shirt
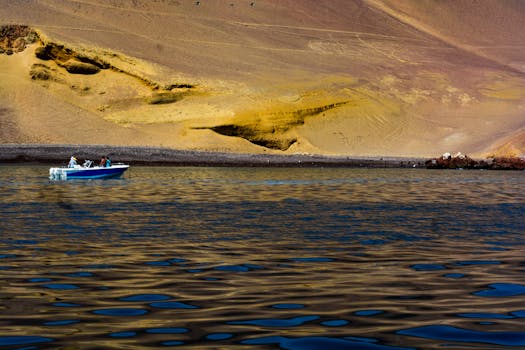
72	162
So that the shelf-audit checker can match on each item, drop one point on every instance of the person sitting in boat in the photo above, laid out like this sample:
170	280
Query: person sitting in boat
102	161
108	162
72	162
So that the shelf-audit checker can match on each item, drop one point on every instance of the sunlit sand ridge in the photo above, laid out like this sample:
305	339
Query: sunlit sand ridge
363	78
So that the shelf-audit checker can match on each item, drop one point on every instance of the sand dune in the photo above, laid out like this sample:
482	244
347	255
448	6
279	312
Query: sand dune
334	77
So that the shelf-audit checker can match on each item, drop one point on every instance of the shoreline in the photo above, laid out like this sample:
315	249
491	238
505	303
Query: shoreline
140	155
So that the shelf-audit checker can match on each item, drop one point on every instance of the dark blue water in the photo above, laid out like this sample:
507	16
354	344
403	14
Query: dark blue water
226	258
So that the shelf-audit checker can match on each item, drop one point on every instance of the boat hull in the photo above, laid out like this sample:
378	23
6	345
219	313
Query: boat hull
79	172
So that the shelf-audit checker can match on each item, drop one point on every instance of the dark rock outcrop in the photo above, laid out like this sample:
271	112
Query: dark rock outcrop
43	53
507	163
40	72
166	97
77	67
449	162
15	38
464	162
71	60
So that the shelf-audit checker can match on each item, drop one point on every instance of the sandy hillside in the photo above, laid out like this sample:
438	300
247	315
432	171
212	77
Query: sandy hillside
334	77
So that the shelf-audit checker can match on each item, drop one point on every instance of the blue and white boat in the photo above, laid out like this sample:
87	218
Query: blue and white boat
87	172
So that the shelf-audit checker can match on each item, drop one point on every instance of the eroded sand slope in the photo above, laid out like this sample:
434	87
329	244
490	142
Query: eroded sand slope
335	77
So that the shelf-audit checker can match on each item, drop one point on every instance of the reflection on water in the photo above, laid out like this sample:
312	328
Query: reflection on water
263	258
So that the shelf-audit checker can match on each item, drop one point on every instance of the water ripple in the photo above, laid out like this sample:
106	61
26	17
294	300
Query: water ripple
145	297
312	343
120	312
427	267
23	340
219	336
288	306
167	330
368	313
500	290
291	322
62	286
60	322
128	334
335	323
484	315
450	333
172	305
266	258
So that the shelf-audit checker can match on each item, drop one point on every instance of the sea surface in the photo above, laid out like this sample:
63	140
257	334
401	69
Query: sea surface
262	258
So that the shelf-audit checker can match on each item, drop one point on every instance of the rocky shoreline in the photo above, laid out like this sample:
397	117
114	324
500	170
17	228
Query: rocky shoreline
460	161
134	155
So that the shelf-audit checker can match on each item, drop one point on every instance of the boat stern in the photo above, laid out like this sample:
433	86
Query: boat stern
57	174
